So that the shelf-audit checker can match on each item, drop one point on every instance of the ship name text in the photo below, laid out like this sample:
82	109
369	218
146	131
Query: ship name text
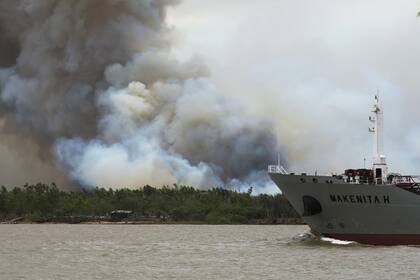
363	199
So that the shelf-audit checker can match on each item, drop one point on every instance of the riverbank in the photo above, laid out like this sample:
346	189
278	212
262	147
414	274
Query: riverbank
108	221
147	205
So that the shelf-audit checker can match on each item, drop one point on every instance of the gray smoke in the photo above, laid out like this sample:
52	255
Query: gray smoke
93	86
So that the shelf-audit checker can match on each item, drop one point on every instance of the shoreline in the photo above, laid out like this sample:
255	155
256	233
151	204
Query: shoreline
37	204
285	221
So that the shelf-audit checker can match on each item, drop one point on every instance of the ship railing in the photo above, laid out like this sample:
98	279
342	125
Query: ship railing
277	169
406	180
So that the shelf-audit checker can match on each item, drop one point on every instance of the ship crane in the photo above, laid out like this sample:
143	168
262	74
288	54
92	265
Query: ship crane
380	168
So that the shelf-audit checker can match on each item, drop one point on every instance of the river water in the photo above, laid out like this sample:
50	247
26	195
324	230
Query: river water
193	252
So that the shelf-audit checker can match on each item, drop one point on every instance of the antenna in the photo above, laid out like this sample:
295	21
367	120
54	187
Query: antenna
377	129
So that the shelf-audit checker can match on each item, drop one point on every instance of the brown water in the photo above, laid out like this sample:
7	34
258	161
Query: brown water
192	252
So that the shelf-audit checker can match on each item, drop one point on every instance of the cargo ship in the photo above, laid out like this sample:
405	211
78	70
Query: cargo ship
365	205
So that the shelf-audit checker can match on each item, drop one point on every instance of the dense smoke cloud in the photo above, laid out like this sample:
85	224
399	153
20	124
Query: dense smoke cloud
94	87
314	67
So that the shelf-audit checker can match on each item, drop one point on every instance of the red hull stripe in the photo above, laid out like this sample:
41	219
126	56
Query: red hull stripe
378	239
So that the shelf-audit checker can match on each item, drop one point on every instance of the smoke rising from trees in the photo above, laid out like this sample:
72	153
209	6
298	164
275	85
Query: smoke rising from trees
91	94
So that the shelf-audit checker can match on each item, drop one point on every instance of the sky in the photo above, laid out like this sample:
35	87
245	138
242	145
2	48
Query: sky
312	68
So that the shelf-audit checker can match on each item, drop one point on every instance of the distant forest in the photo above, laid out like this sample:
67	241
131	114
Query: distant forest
46	203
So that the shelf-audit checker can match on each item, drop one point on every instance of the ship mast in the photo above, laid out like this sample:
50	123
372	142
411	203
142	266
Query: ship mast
380	168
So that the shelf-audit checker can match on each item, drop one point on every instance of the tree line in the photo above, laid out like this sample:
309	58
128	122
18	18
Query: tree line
42	202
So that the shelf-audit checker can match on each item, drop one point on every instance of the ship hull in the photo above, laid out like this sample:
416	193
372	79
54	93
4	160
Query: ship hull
378	239
368	214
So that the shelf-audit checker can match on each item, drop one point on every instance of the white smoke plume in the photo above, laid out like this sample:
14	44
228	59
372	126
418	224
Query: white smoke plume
93	86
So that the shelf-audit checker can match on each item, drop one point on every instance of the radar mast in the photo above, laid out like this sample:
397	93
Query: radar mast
380	168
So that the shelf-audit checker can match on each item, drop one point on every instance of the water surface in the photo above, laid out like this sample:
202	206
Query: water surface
193	252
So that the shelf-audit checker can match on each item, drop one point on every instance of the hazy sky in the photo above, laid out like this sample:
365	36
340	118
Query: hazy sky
312	67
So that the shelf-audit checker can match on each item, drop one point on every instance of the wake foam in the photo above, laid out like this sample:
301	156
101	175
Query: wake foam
310	239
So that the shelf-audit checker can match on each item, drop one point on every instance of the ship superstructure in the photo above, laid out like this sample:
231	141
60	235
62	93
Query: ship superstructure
367	205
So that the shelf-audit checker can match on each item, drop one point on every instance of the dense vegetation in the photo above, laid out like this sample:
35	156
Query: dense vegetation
178	204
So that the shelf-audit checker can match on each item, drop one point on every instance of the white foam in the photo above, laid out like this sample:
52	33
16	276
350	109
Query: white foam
336	241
